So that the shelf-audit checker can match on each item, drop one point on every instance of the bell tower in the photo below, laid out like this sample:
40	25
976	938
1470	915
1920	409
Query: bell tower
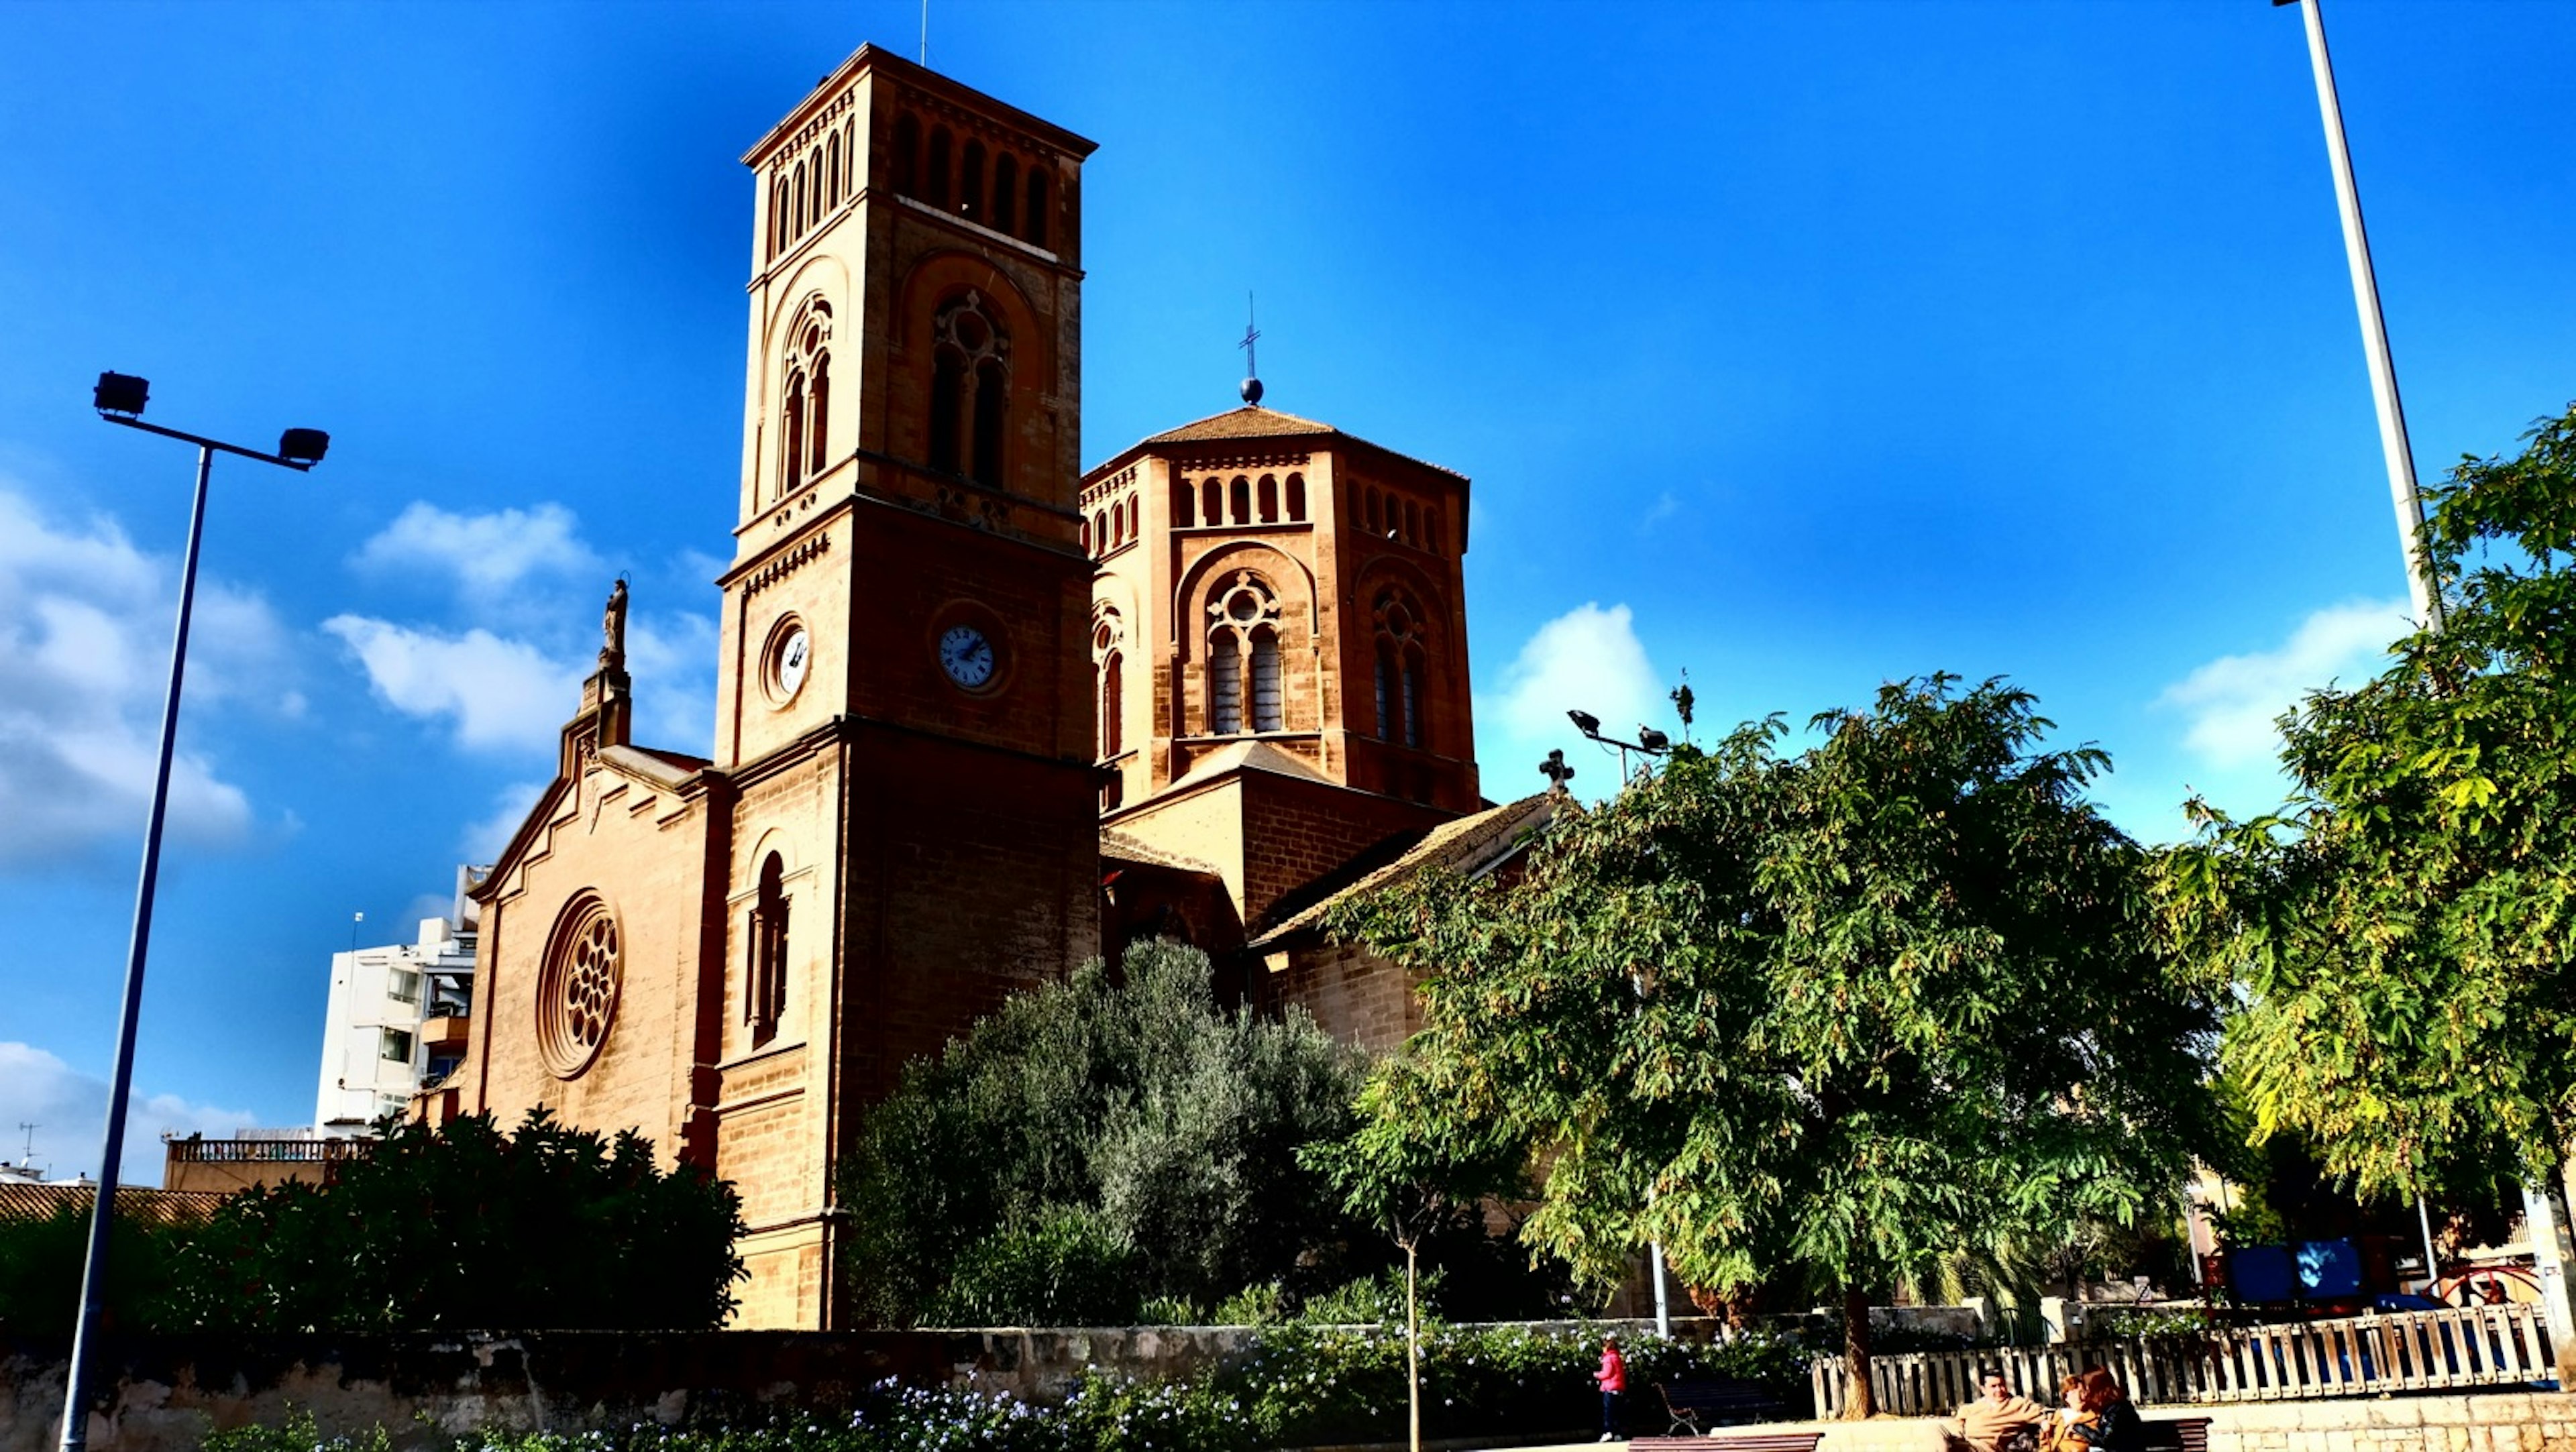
904	709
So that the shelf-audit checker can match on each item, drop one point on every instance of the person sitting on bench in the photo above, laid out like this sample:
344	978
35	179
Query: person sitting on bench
1996	1420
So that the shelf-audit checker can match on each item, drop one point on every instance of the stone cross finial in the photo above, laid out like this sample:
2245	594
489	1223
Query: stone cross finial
1556	771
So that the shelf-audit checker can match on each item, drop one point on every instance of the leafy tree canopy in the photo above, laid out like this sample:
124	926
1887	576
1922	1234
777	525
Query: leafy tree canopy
1096	1144
1822	1016
2404	927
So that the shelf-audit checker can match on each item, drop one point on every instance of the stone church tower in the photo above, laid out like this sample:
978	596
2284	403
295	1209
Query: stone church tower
900	824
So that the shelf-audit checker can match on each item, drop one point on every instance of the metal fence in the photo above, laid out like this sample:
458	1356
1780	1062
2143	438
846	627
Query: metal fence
2357	1356
268	1151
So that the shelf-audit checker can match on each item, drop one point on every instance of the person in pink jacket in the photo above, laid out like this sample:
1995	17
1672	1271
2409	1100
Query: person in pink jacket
1613	1377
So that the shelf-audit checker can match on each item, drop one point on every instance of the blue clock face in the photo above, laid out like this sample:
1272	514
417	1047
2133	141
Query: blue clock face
967	656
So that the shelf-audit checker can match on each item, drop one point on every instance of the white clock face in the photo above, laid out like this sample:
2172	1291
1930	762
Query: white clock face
967	656
794	654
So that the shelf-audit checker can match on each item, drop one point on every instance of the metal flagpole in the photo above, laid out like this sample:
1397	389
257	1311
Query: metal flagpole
2374	331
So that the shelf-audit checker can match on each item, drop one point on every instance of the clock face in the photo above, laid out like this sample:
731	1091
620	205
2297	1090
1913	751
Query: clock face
967	656
791	655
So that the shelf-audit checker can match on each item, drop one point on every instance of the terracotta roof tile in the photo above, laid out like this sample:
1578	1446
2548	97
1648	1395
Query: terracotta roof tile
21	1201
1470	844
1254	422
1117	846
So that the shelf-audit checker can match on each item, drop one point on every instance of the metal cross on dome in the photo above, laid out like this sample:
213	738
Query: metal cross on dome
1251	362
1555	770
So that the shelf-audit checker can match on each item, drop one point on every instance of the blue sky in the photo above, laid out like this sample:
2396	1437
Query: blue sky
1803	346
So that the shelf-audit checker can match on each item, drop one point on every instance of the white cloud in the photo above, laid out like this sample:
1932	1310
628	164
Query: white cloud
1587	659
484	840
486	554
85	622
502	694
69	1109
2230	703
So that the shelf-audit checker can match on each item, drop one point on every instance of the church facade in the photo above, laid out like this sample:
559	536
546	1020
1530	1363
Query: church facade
981	715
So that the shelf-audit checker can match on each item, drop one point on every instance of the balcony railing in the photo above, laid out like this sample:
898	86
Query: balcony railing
268	1151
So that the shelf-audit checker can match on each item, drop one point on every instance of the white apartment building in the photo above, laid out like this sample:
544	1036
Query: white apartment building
396	1019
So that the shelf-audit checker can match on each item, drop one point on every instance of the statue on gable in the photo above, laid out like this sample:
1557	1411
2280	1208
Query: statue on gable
612	629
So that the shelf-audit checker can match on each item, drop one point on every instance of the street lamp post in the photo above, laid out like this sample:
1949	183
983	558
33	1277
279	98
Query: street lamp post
119	399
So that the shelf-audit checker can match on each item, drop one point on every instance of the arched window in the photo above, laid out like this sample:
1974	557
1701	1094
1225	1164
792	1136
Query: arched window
1183	500
970	392
1369	516
1434	538
1269	499
1212	495
1037	218
850	158
832	165
1006	187
1402	668
1112	698
1242	500
764	999
1225	683
799	213
1133	528
907	155
970	181
819	413
935	185
1243	617
1297	498
778	216
791	471
992	397
1412	523
814	204
1265	680
1100	530
1086	536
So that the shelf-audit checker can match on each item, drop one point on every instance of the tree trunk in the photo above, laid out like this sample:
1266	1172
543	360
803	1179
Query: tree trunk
1412	1354
1861	1399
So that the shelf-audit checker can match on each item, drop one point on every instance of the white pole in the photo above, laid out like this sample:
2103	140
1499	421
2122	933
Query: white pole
2374	331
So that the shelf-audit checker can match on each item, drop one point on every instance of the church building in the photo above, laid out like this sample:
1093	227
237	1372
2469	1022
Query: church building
981	715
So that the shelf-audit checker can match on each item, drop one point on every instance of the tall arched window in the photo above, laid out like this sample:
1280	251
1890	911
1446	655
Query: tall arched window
1369	515
764	999
1212	495
804	410
907	155
819	413
1133	525
1266	715
814	204
970	181
1269	499
1112	700
1297	498
832	165
1006	187
1433	538
1183	501
1402	668
799	213
935	184
778	216
1412	523
1037	218
1242	500
791	471
970	391
850	158
1243	619
1225	683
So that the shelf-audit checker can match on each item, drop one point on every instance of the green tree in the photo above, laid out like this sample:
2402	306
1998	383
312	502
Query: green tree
40	1269
1096	1144
2404	927
1824	1016
468	1227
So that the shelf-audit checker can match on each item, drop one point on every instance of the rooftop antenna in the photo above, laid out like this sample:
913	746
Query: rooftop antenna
925	32
29	1157
1251	366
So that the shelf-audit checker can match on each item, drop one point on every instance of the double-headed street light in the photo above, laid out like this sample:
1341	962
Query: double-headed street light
119	399
1650	742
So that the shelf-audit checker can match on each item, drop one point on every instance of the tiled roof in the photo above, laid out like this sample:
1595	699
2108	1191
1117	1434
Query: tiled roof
1254	422
1251	755
1470	845
1117	846
1251	421
21	1201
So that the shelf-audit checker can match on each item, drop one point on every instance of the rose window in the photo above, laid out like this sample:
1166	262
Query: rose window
577	998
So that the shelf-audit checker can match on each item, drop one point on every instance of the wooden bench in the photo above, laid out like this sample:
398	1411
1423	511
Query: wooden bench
1731	1442
1694	1406
2176	1434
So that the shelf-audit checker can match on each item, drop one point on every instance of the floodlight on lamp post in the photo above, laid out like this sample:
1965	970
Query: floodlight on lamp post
1649	743
119	399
